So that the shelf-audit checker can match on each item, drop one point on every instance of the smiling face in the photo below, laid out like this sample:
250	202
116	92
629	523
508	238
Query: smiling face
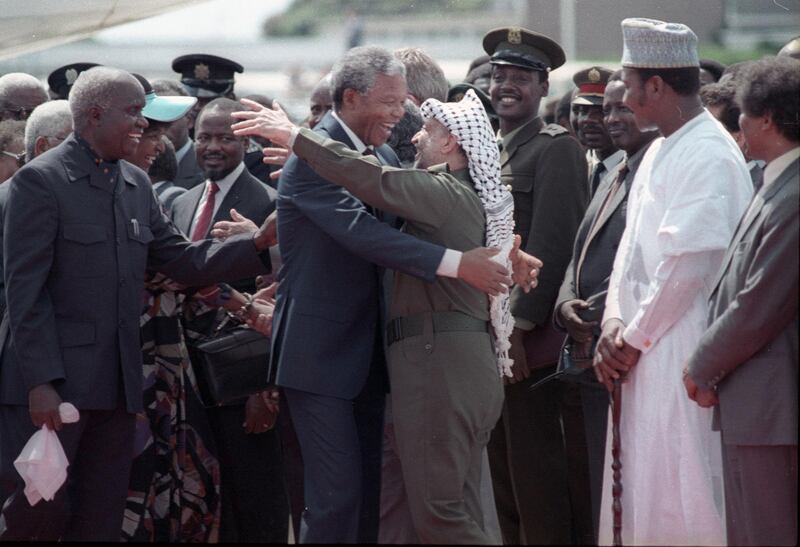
219	151
118	128
150	146
429	142
372	115
516	94
620	121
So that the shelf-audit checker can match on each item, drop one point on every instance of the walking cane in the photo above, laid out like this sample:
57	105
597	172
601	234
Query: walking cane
616	465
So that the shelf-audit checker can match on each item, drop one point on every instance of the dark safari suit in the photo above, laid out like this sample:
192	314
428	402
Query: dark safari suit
598	238
78	236
446	389
546	170
254	502
327	347
749	354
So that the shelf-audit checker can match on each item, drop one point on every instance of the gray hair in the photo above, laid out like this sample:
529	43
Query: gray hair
424	77
47	120
95	87
359	68
15	81
168	88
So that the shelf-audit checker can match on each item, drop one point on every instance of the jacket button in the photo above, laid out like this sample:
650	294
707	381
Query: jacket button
121	281
428	347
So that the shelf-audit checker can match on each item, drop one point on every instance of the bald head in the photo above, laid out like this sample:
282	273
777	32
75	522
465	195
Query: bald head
20	93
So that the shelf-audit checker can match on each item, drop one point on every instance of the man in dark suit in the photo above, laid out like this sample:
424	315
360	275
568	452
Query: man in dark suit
74	279
746	362
581	299
189	173
254	504
328	348
546	170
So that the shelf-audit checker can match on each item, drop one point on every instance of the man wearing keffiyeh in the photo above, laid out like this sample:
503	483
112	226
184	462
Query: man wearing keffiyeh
446	339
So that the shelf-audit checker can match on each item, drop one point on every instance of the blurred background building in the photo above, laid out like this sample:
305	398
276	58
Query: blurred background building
286	45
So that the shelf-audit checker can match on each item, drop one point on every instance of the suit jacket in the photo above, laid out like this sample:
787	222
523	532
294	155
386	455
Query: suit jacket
328	312
601	249
546	169
248	195
167	193
189	173
74	276
750	350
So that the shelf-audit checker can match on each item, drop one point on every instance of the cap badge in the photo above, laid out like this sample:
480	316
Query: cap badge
594	75
71	75
514	35
201	71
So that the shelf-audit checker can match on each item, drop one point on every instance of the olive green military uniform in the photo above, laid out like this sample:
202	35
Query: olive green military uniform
547	172
446	390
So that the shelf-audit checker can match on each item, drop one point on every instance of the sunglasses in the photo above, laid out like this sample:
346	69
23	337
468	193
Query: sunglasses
17	113
19	158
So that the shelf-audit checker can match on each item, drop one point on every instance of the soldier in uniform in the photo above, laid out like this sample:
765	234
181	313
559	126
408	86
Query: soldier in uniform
546	171
62	78
587	109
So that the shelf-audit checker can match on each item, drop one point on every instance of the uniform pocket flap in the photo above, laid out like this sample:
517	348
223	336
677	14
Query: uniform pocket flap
140	232
75	333
85	233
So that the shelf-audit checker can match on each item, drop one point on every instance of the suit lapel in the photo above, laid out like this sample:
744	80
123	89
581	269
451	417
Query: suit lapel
233	197
750	216
184	215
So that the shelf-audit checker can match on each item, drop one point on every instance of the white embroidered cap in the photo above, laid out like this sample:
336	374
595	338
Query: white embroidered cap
649	43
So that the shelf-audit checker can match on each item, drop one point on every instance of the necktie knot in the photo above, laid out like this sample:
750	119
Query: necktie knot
212	189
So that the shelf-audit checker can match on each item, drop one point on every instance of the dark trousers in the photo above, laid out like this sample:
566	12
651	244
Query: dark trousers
538	463
340	442
760	494
255	508
90	506
292	465
594	400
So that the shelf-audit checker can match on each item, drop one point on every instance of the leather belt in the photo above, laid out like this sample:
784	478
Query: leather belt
446	321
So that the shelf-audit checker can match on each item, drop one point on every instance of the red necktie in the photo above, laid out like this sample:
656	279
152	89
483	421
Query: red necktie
204	220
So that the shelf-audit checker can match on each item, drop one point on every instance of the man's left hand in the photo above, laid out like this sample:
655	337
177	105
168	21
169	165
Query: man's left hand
525	267
270	123
239	224
258	417
705	397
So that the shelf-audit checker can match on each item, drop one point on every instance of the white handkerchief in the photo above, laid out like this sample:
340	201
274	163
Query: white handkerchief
42	464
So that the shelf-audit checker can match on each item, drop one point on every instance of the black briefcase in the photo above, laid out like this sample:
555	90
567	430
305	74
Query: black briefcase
231	365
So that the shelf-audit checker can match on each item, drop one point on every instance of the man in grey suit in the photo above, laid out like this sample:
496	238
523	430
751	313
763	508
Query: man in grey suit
746	362
581	299
81	227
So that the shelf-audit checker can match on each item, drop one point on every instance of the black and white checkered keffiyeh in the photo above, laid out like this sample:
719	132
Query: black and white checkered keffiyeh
468	122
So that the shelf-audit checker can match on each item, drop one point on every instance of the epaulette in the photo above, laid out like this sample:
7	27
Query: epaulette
553	129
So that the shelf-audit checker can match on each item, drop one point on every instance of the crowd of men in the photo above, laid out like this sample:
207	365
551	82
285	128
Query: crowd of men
454	286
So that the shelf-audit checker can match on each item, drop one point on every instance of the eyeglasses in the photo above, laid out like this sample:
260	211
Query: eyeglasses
16	112
19	158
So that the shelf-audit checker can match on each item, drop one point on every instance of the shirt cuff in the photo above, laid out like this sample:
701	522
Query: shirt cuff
523	324
275	258
638	339
448	267
293	137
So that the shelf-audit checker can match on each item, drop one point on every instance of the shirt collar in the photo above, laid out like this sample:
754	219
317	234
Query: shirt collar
777	166
506	139
97	160
358	143
227	181
613	160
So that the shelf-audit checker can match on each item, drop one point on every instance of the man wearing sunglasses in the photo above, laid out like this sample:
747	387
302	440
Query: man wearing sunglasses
12	155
